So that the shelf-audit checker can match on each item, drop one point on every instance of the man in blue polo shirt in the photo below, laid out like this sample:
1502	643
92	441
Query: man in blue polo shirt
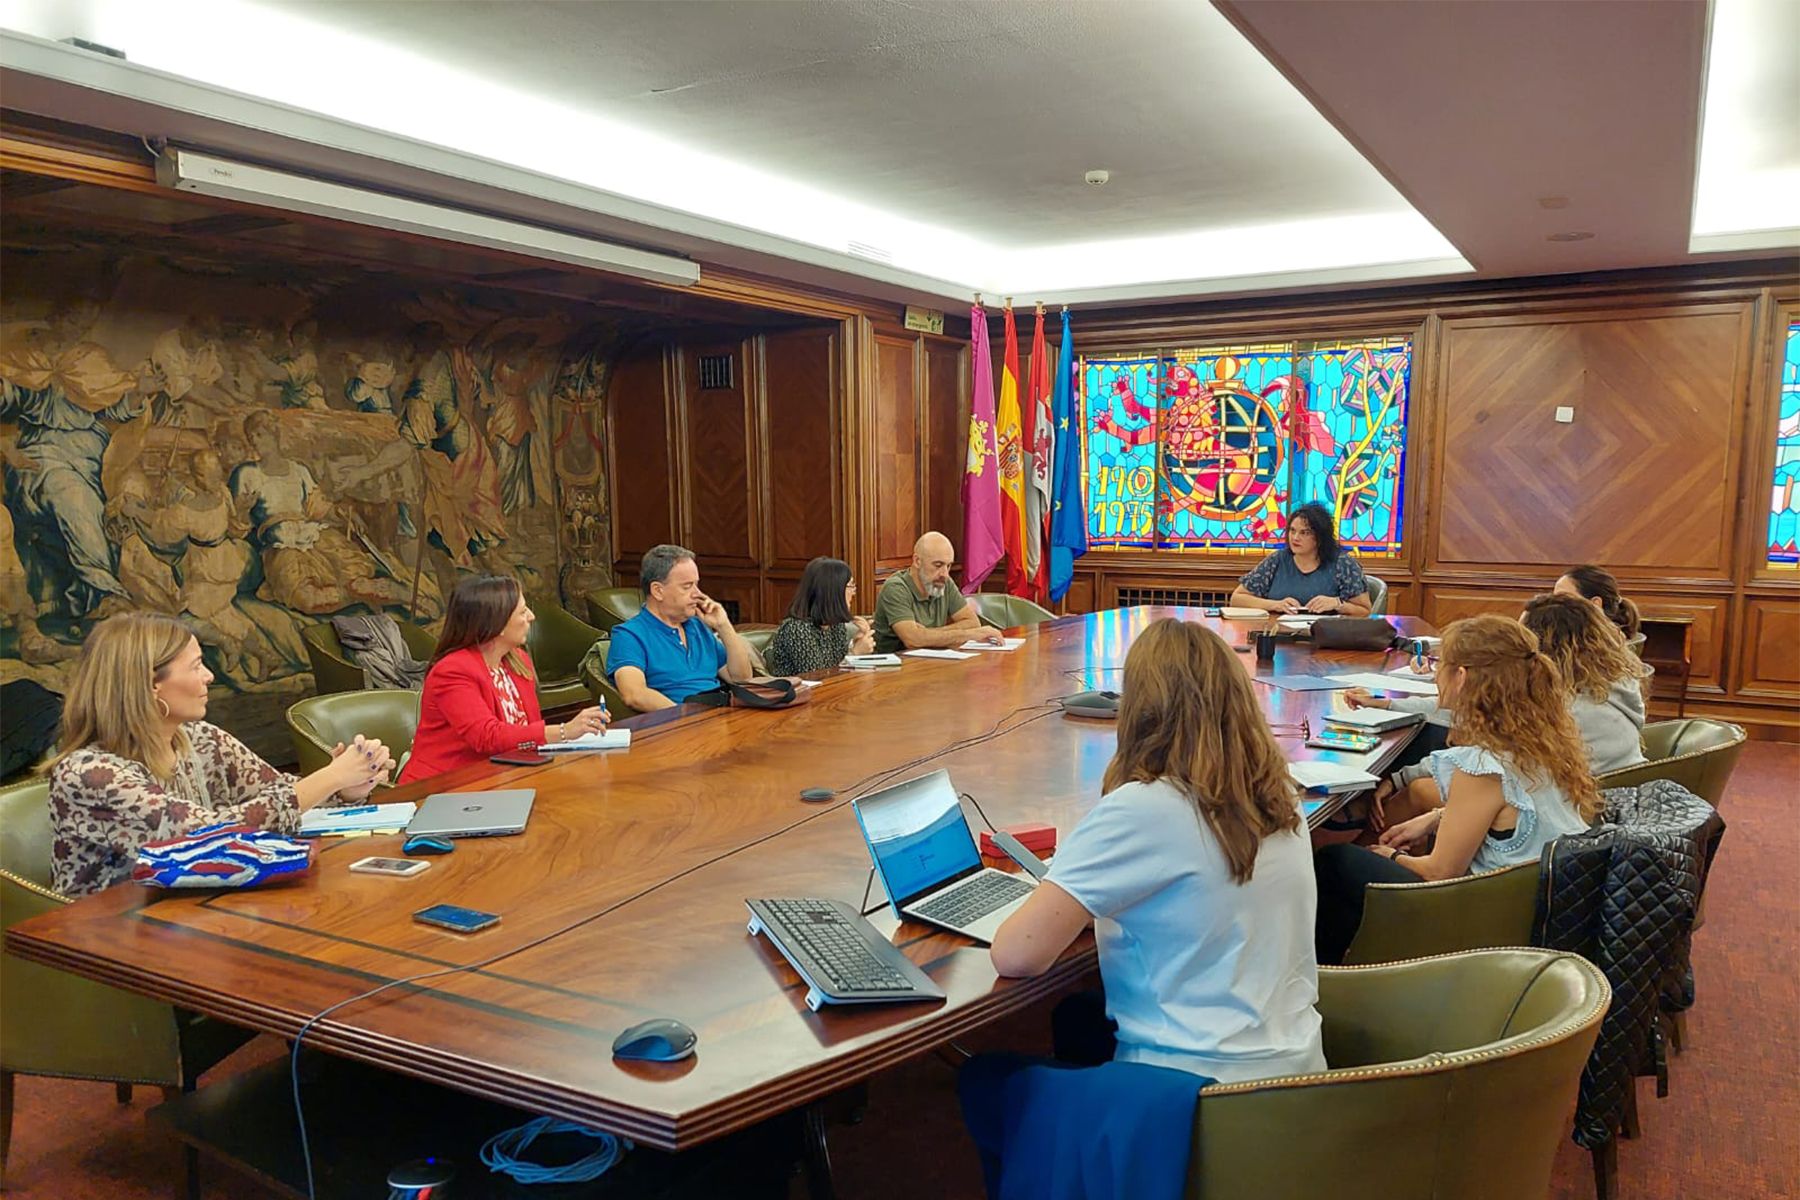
680	643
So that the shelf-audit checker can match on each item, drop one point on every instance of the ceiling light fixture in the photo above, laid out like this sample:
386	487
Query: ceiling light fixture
210	176
1574	235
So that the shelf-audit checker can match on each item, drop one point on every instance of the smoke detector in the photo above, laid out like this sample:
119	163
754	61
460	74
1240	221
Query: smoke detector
1098	178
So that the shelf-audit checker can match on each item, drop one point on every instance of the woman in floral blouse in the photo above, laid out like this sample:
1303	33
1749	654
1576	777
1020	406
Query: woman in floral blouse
819	630
1312	573
139	764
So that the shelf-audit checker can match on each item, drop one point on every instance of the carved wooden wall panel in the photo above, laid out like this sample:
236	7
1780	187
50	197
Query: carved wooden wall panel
644	468
1645	475
947	435
896	451
800	391
1771	648
719	429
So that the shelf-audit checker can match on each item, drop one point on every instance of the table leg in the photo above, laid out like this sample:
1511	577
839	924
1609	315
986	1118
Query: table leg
817	1154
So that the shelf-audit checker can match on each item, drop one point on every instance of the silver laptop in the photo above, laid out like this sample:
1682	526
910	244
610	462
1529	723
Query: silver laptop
928	862
473	814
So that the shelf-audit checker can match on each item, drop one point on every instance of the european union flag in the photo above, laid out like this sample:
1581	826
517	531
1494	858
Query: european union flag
1068	514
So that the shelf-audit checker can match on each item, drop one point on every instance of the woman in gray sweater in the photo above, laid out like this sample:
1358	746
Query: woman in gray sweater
1604	679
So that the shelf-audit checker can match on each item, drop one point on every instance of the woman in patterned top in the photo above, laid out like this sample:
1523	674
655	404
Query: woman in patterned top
1310	574
139	764
819	630
480	696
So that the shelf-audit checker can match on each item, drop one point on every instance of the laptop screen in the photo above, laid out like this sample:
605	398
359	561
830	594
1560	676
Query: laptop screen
917	836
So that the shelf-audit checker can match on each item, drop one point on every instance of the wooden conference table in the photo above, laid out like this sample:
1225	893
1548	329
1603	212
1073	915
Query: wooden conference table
624	898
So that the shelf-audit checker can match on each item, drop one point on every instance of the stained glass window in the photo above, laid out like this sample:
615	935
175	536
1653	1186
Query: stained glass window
1208	449
1784	504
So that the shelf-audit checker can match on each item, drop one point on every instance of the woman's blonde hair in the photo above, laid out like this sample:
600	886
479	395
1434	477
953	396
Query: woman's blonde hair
1589	651
110	704
1187	715
1512	703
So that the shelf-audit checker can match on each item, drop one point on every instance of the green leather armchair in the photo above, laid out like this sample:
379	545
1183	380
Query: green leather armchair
759	640
67	1027
1378	594
318	723
1697	753
556	642
1005	611
1411	920
599	687
333	670
1450	1077
609	606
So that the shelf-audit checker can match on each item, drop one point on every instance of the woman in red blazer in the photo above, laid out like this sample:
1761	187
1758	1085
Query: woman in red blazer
480	695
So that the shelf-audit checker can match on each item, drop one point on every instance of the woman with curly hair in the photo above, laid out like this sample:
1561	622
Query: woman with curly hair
1604	680
1514	778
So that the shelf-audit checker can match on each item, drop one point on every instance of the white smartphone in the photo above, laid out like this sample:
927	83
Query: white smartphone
391	866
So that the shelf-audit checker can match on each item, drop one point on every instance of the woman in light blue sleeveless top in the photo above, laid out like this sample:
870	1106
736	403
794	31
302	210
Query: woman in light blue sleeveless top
1516	779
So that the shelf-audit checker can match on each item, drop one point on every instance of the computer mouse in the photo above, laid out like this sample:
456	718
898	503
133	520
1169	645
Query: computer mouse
660	1039
817	795
426	843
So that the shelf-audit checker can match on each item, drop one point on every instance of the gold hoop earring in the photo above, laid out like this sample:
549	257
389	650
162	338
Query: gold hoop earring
162	706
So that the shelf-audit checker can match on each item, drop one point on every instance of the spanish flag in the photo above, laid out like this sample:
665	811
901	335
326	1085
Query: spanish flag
1012	465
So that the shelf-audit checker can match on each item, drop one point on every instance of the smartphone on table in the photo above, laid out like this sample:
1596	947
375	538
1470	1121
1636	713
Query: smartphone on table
1345	740
456	918
391	866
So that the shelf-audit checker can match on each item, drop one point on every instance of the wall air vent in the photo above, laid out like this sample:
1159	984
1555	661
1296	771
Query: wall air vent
715	372
1131	597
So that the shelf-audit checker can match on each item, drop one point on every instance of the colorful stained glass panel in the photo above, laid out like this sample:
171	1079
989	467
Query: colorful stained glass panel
1220	444
1784	503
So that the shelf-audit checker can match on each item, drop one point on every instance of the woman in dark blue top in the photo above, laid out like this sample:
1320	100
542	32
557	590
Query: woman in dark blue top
1310	574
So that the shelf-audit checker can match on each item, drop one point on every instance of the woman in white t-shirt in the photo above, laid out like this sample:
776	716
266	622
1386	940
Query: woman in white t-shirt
1196	872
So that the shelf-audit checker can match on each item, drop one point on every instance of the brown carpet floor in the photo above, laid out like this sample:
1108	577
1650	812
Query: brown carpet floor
1727	1129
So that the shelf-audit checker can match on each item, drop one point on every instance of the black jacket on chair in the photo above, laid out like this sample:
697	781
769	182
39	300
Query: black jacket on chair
1623	896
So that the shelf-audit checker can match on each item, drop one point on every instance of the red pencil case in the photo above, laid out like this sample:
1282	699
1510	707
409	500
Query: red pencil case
1039	839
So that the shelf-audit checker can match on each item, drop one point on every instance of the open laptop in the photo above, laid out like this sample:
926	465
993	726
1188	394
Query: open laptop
473	814
928	861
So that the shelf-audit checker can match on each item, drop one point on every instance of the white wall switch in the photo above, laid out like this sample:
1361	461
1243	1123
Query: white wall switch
1564	414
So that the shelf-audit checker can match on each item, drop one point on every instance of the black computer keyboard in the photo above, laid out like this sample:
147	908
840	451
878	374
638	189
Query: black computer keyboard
973	900
838	952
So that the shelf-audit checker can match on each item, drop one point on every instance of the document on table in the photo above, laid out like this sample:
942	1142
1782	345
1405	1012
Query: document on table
1411	685
930	653
1243	614
1303	683
870	662
1005	644
606	739
356	818
1333	777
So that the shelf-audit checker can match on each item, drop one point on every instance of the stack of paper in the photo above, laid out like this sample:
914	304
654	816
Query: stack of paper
1005	644
869	662
1411	685
606	739
1243	614
1316	774
1375	720
929	653
357	818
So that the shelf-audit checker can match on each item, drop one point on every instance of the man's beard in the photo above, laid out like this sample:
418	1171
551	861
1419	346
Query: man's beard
936	591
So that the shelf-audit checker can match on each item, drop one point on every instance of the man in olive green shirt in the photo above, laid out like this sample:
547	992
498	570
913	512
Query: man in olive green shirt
921	607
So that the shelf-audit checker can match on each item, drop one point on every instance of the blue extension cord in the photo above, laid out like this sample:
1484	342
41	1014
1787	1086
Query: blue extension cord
501	1153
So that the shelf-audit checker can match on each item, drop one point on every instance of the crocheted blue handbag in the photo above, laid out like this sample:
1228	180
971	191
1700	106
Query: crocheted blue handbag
222	856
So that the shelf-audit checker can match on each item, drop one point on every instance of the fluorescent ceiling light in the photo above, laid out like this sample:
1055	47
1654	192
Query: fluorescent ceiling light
1747	188
209	176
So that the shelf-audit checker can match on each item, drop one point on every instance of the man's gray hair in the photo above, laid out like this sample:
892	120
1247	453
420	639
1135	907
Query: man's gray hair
658	562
